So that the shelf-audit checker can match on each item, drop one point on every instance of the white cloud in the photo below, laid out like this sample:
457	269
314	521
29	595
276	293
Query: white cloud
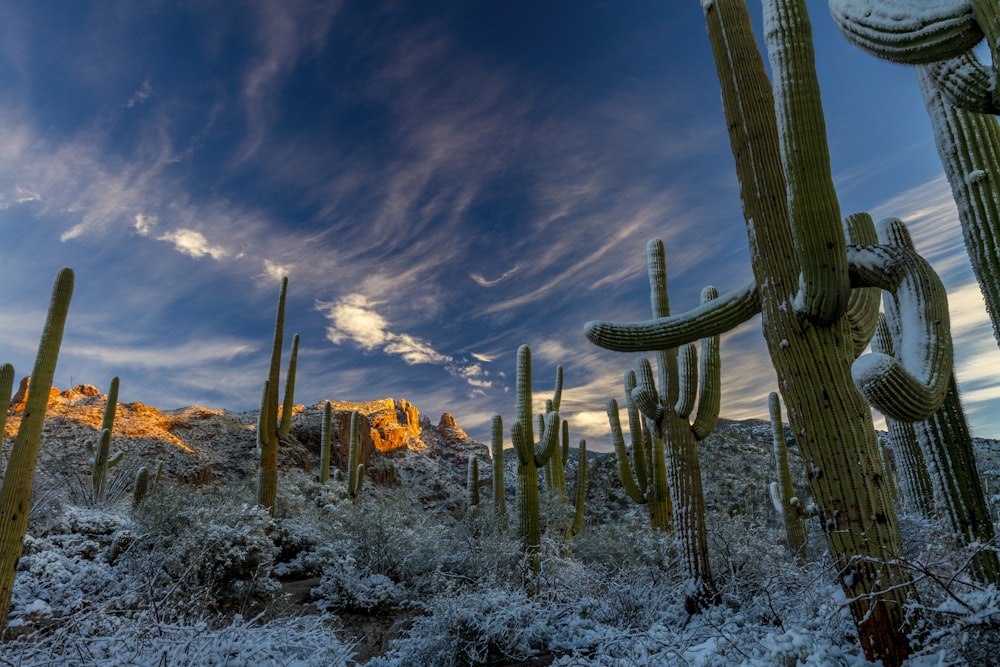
275	270
480	280
354	318
193	243
144	224
140	96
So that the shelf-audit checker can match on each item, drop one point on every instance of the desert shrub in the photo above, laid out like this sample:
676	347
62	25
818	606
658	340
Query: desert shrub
206	549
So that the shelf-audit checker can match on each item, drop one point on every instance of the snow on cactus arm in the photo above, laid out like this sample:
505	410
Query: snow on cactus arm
963	82
709	319
863	306
911	385
908	31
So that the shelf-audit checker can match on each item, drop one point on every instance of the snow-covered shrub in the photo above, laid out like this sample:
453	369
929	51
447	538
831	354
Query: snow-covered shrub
205	548
343	586
307	641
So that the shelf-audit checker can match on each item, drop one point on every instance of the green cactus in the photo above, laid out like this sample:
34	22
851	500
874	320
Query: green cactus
579	505
270	430
530	456
783	496
99	454
916	487
6	386
472	484
939	37
326	439
790	206
355	468
141	488
645	480
496	456
946	443
18	479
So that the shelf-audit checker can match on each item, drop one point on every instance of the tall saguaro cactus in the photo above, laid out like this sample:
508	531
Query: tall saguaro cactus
270	429
530	457
496	456
803	272
99	451
18	479
783	495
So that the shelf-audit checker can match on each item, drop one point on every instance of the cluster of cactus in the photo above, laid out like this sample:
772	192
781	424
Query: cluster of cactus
19	475
355	468
961	96
804	274
270	429
783	495
99	454
546	453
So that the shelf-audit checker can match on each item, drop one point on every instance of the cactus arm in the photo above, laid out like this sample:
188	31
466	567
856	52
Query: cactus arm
813	208
499	492
644	396
710	379
932	31
968	145
326	441
287	403
579	508
913	386
963	82
659	301
716	317
687	376
633	489
786	501
863	306
550	440
557	392
15	491
6	386
359	480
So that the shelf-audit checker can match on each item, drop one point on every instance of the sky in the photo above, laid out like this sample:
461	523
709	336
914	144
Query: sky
440	181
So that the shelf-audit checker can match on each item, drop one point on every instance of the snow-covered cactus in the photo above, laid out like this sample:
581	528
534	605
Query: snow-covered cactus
99	454
19	475
916	487
783	495
270	430
325	442
579	505
969	147
938	36
946	443
804	271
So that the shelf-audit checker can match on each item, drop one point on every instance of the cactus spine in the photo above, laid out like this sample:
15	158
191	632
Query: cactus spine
271	431
783	495
326	439
99	455
15	492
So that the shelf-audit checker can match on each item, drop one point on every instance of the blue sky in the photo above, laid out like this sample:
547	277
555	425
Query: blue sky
441	182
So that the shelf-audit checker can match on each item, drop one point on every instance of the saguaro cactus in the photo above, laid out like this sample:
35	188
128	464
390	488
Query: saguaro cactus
18	479
800	286
530	456
783	495
326	439
270	430
355	468
496	456
946	443
99	452
579	505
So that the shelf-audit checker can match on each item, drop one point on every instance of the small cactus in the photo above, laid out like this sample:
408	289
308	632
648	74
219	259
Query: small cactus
783	495
141	488
355	469
99	453
472	484
326	438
